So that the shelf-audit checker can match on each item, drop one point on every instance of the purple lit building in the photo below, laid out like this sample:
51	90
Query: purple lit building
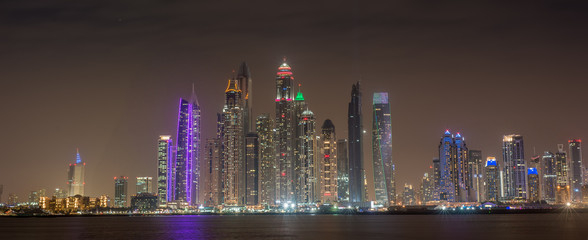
187	149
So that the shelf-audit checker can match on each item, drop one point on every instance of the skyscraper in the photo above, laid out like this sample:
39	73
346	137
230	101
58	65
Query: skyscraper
384	185
187	152
76	176
267	157
549	177
476	169
165	170
492	179
533	177
408	197
246	86
436	178
144	185
562	194
427	189
461	175
328	164
120	191
284	138
515	177
307	175
342	171
357	190
233	146
576	174
252	169
211	173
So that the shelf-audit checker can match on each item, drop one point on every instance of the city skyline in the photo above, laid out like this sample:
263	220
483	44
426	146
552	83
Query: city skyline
115	115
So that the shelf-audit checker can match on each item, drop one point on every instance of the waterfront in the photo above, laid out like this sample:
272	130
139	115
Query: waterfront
568	225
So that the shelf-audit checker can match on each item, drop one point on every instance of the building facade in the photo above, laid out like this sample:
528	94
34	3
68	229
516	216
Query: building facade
328	163
492	180
187	149
76	176
357	191
549	175
120	191
267	157
233	155
515	170
144	185
165	170
342	171
252	169
576	169
384	185
307	167
534	189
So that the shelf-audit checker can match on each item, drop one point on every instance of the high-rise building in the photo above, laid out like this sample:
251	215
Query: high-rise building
165	170
144	185
60	193
211	173
342	171
562	194
515	177
187	167
357	190
120	191
427	189
299	107
384	186
549	173
285	135
408	197
492	180
534	190
476	170
233	146
307	167
267	157
252	169
328	163
576	174
454	174
35	196
436	178
76	176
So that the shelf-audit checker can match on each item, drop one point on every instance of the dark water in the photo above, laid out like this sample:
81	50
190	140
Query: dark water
494	227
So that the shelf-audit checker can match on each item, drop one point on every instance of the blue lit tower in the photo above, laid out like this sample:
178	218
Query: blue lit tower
76	176
447	188
492	179
576	169
165	170
187	149
233	146
284	138
461	174
533	177
356	170
549	177
515	170
382	150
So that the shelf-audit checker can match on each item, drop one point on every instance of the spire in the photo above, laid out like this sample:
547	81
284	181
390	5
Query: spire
78	158
299	96
243	70
284	69
193	97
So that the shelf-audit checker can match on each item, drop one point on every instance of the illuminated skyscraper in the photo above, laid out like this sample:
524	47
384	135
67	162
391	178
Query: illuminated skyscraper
307	175
476	169
515	170
357	190
384	185
562	194
342	171
328	163
436	178
492	180
447	188
144	185
187	172
427	189
120	191
251	169
533	177
299	108
408	197
461	175
285	132
576	169
76	176
165	170
267	157
233	146
549	173
211	173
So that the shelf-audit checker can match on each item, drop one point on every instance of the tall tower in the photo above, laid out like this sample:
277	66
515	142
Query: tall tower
447	166
476	170
120	191
165	170
576	169
515	177
246	85
267	155
436	178
561	169
328	164
307	174
549	177
533	177
187	152
384	185
342	171
492	179
285	132
356	168
461	172
76	176
252	169
211	173
233	146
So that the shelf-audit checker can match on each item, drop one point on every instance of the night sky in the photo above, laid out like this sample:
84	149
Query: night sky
106	76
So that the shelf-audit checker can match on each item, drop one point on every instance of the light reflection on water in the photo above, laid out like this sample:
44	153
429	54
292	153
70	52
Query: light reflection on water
567	225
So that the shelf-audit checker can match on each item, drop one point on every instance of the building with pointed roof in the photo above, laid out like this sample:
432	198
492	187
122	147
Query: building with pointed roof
76	176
